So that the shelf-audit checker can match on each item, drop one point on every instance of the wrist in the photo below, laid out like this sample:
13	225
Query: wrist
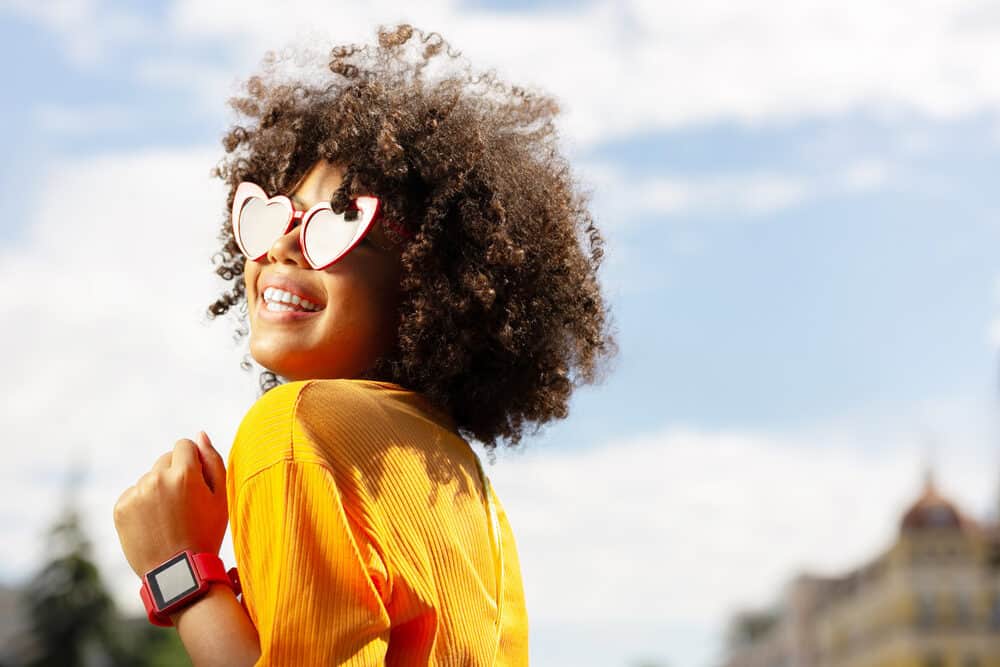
216	590
183	580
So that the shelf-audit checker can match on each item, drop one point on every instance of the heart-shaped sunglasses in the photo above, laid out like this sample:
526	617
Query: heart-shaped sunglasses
324	236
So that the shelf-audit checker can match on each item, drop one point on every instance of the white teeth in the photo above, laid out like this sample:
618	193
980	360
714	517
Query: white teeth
273	295
280	307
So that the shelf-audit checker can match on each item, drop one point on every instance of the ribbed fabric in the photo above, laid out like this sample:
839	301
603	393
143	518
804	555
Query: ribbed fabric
362	534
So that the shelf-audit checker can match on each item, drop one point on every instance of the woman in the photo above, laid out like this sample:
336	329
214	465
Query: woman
419	267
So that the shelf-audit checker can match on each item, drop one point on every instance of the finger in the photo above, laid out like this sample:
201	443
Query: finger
212	464
163	462
185	455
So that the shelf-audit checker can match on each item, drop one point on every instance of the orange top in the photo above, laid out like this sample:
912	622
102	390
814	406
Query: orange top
362	532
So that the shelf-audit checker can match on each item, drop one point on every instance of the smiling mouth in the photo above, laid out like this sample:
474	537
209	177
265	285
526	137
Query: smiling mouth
296	297
280	307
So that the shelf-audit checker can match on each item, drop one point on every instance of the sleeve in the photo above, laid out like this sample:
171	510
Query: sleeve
306	585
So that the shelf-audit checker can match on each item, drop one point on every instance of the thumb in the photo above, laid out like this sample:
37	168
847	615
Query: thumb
212	466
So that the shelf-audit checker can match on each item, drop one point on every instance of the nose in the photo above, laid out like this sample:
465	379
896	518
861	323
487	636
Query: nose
287	249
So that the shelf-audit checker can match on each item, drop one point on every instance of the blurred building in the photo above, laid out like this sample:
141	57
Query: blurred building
931	600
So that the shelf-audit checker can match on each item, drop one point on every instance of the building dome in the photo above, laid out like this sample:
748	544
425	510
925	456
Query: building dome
932	510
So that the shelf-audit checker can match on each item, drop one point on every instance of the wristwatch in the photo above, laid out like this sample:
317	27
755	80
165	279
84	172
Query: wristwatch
180	580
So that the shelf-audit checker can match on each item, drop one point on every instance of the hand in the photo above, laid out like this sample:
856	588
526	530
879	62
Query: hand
179	504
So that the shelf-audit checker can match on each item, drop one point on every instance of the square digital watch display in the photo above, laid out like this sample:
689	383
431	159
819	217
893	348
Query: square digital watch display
172	581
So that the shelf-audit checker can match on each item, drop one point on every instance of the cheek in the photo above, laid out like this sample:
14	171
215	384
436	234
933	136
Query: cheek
250	272
375	301
380	281
378	303
366	301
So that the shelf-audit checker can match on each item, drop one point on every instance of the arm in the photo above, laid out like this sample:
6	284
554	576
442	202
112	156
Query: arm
216	630
181	504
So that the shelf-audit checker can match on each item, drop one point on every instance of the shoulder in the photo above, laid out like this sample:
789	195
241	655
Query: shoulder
266	434
324	421
353	423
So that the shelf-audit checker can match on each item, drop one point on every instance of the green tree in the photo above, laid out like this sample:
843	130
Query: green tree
144	644
67	604
72	617
748	627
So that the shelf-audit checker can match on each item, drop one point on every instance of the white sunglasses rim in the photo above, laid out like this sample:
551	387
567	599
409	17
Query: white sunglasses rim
248	190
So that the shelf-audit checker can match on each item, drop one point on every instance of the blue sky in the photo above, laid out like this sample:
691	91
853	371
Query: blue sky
836	304
802	233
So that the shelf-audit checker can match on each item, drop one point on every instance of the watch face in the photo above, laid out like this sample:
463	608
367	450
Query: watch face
172	581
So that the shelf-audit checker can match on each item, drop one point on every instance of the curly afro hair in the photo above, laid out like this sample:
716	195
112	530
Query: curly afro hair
501	313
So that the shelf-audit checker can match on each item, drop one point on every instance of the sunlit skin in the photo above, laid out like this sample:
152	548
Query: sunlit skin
359	292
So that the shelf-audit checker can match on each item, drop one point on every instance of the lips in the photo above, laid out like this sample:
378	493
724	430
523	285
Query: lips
302	290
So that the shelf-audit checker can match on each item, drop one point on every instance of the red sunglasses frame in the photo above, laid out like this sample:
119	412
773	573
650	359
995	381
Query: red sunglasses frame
246	191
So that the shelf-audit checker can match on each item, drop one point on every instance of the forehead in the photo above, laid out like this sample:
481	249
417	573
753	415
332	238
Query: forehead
319	181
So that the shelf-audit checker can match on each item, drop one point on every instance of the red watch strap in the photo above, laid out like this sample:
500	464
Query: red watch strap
209	567
154	616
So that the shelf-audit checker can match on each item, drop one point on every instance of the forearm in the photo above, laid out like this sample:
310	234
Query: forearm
216	630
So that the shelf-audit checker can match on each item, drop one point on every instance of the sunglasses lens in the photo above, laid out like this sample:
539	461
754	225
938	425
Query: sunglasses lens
260	224
327	236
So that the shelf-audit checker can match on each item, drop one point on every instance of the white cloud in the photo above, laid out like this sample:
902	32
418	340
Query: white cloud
88	30
747	194
993	335
622	202
993	332
866	175
620	198
617	67
208	84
